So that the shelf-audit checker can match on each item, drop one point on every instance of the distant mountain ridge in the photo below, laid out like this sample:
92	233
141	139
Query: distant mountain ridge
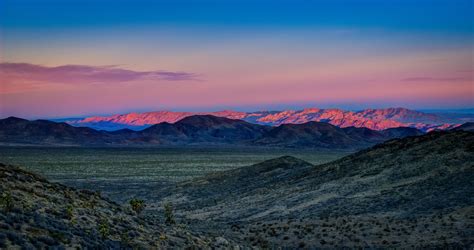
375	119
199	130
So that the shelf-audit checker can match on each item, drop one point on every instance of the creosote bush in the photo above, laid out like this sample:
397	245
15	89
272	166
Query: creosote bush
69	212
6	200
169	218
137	205
125	239
104	229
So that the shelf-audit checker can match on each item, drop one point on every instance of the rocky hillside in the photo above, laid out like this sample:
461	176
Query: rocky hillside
375	119
38	214
413	192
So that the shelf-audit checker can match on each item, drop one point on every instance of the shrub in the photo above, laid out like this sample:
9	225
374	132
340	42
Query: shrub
69	212
48	240
7	201
91	204
169	218
68	194
59	236
163	237
124	239
137	205
104	229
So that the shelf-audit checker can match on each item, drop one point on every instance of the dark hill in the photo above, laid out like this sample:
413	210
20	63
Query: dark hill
19	131
412	192
205	129
468	126
325	135
401	132
310	134
37	214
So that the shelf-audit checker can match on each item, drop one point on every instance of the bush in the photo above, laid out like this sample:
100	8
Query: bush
104	229
125	239
49	241
91	204
137	205
169	218
59	236
69	212
6	200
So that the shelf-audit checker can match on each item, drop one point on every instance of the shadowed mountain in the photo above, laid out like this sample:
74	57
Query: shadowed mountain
468	126
204	129
20	131
401	132
325	135
199	130
418	190
311	134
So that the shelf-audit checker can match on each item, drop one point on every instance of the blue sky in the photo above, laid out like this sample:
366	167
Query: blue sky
402	15
246	55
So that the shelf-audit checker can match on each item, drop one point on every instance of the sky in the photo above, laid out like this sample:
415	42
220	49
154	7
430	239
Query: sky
73	58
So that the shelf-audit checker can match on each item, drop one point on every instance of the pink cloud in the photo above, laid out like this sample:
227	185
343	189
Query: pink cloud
436	79
12	73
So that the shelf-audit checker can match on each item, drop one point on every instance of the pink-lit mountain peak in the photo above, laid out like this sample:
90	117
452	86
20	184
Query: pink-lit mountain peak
155	117
399	114
377	119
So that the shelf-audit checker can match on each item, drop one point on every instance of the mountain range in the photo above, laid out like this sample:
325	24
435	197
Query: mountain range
199	130
376	119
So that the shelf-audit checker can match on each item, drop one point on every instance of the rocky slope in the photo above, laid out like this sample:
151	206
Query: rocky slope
38	214
376	119
199	130
412	192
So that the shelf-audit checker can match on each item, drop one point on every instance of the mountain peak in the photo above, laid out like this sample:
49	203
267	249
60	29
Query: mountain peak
206	120
11	119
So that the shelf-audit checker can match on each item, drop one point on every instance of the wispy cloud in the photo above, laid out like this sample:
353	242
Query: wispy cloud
82	74
436	79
